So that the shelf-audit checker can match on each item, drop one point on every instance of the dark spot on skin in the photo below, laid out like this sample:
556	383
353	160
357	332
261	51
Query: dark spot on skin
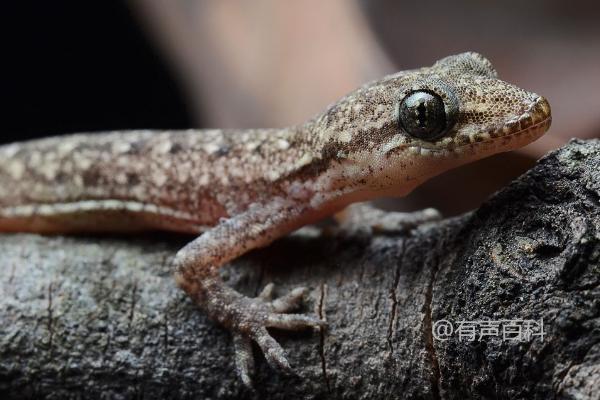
330	151
462	140
258	150
133	179
223	151
308	171
175	148
61	177
91	177
135	148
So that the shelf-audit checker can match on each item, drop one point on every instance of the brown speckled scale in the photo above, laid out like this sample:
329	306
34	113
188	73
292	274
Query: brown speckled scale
246	188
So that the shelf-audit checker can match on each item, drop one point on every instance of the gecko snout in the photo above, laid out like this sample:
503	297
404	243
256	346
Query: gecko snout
540	110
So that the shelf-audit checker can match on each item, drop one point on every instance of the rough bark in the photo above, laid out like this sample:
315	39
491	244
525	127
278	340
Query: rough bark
101	316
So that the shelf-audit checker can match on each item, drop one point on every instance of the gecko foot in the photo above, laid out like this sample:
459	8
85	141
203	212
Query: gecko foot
254	316
363	216
394	221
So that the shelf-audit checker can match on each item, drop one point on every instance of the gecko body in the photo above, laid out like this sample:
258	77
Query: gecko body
242	189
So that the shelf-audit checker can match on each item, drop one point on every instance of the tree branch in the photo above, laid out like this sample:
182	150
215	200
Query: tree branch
102	317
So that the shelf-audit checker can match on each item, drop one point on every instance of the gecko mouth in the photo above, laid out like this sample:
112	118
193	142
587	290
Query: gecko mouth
531	124
529	134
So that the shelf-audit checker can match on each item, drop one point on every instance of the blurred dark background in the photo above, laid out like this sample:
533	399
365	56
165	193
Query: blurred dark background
70	66
73	66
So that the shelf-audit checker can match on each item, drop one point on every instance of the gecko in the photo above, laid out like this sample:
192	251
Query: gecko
239	190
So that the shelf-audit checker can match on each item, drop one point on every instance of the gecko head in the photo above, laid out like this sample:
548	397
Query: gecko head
412	125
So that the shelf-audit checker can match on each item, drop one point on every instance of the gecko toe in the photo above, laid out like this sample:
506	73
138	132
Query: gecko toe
244	359
290	301
393	221
432	214
293	321
267	292
272	350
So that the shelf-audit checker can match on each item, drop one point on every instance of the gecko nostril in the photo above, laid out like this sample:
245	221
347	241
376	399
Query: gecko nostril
542	108
537	112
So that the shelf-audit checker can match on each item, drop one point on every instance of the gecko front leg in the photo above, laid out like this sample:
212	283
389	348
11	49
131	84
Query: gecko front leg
196	271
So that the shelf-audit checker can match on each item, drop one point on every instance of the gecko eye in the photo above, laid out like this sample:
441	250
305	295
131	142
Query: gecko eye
422	115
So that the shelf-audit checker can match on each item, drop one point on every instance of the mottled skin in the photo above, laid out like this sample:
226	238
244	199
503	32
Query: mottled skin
246	188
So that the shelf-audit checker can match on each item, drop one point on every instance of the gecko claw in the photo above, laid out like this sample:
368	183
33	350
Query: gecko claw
290	301
267	292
